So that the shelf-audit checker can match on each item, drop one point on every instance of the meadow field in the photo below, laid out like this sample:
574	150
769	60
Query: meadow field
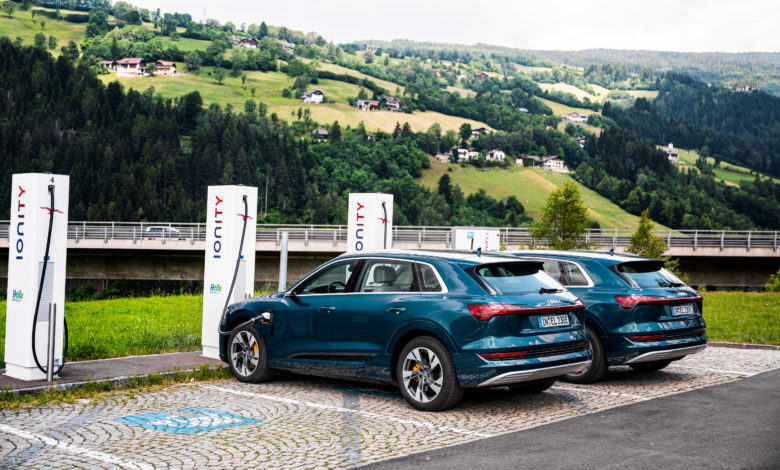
531	186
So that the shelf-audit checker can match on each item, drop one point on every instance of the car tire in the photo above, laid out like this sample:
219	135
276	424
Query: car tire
531	388
650	366
598	366
247	356
426	375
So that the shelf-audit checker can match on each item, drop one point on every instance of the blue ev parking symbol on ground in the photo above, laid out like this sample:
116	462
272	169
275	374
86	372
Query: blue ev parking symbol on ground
187	421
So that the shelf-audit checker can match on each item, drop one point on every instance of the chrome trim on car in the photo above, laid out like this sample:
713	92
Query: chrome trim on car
666	354
534	374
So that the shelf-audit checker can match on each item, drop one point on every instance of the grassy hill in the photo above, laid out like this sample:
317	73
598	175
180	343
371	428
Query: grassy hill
726	172
268	89
531	186
22	24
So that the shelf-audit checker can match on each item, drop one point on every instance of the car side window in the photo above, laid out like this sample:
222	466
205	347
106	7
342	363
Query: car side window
553	268
428	280
386	276
331	280
574	275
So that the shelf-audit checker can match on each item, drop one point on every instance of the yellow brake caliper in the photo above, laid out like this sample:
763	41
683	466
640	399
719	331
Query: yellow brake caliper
415	369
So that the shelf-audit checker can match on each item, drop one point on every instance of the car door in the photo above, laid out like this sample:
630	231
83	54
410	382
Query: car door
306	331
383	298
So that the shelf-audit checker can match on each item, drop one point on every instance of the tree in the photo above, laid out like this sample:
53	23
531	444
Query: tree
52	42
643	242
9	7
263	31
774	282
335	131
253	90
219	74
43	24
445	188
564	219
40	40
465	131
151	69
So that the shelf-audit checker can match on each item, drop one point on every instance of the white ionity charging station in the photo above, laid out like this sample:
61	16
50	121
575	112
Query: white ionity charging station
471	238
228	207
369	222
31	214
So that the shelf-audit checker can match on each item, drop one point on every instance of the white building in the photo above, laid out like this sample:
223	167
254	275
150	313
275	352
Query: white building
672	153
130	67
495	155
462	153
473	154
310	97
554	164
574	117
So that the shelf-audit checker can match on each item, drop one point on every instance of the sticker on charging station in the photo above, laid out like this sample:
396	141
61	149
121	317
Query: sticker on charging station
188	421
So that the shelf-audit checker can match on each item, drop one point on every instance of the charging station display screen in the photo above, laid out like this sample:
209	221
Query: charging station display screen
47	294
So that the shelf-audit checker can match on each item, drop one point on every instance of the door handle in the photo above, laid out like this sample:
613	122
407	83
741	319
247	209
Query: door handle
396	310
327	309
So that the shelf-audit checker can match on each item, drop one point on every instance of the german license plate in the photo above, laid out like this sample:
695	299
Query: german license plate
684	309
550	321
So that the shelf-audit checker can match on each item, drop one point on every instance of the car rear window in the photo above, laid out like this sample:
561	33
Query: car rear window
646	274
515	278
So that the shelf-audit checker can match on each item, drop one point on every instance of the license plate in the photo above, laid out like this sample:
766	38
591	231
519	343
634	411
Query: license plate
685	309
551	321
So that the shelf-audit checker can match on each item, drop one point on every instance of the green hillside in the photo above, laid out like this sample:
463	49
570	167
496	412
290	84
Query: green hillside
22	24
531	186
726	172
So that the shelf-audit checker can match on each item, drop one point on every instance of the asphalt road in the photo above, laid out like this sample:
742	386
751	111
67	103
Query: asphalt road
735	425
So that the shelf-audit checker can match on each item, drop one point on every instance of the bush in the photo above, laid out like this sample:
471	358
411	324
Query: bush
76	18
47	13
774	282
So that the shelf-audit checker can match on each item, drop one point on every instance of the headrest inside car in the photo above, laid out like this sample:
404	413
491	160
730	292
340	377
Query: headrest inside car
384	274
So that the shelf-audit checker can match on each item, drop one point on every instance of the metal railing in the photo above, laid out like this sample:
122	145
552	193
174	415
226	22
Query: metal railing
509	236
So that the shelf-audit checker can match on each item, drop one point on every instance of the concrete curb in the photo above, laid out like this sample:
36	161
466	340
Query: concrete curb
115	381
726	344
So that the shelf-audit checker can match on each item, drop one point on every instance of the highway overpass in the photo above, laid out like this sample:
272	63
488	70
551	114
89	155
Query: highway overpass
124	250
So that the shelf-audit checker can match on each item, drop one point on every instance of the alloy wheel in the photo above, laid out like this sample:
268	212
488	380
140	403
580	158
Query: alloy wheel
423	376
244	353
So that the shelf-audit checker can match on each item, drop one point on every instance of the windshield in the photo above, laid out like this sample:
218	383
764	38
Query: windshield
517	278
646	274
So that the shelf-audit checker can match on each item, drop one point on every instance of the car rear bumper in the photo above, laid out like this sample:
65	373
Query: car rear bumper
666	354
534	374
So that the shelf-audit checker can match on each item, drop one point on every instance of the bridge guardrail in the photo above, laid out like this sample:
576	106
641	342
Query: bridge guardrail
512	236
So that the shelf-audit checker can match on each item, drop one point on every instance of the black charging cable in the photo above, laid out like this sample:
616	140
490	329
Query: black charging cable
238	262
40	291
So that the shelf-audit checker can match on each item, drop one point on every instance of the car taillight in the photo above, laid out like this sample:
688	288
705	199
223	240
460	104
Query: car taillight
645	337
485	312
631	301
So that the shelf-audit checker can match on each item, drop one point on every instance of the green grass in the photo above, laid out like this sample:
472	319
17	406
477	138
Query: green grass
567	88
561	109
23	25
125	327
268	89
743	317
726	172
531	186
649	94
186	44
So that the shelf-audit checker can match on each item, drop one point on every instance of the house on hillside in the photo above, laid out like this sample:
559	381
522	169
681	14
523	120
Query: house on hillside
443	157
574	117
480	75
581	141
519	161
495	155
476	132
461	153
130	67
165	67
287	47
312	97
746	88
554	163
391	102
531	160
473	154
108	65
367	105
523	110
320	135
249	43
372	48
672	153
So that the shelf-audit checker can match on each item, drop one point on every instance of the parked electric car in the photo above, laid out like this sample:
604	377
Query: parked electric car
432	322
638	312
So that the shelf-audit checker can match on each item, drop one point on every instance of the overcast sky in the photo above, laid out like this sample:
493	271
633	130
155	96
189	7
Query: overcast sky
669	25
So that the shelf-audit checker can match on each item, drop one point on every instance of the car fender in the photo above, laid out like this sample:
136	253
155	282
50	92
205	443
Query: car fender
422	325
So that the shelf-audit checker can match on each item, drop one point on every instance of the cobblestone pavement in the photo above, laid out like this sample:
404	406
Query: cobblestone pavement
304	422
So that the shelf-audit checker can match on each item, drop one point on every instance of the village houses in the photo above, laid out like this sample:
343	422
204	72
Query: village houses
495	155
130	67
476	132
554	163
746	88
320	135
287	47
367	105
574	117
391	102
249	43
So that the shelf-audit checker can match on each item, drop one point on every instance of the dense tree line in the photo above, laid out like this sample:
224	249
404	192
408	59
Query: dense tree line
136	156
740	128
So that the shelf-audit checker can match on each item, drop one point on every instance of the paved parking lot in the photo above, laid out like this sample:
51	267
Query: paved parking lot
304	422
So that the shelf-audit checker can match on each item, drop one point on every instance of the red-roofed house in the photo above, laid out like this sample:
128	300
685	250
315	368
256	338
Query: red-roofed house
130	67
165	67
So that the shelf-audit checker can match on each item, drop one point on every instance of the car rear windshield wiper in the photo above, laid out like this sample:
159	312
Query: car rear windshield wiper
547	290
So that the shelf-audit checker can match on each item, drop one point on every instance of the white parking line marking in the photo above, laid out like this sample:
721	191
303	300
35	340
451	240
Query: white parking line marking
103	457
600	392
340	409
720	371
